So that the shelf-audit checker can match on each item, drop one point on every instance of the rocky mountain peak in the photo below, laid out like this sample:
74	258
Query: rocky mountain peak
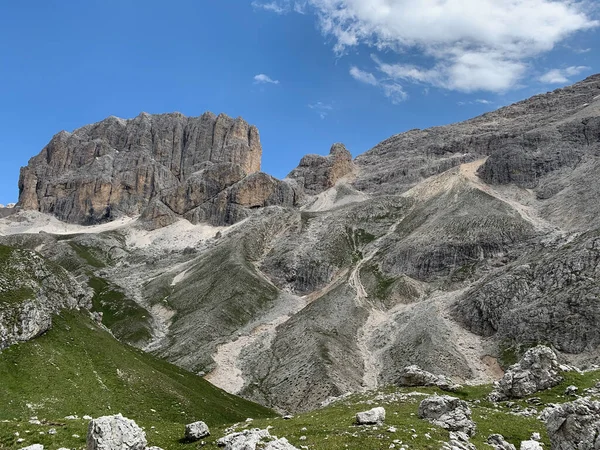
118	166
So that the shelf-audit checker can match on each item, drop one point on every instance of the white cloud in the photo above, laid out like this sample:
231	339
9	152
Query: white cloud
362	76
282	7
323	109
261	78
483	101
394	92
391	89
271	6
472	45
560	76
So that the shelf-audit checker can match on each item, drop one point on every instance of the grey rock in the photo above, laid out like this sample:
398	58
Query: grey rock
245	440
37	288
574	425
447	412
375	416
316	173
196	431
458	441
536	371
415	376
115	433
499	443
33	447
571	390
117	167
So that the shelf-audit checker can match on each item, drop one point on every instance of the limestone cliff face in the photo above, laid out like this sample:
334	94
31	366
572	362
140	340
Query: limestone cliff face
118	166
316	173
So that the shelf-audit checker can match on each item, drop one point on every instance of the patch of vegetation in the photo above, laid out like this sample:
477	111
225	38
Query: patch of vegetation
16	296
79	369
125	318
88	255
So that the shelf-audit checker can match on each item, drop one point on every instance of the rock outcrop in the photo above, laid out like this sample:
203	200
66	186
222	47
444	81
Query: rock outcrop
537	370
317	173
375	416
118	167
414	376
574	425
448	412
115	433
32	289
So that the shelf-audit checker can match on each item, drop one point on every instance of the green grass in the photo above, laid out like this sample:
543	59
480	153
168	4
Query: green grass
126	319
16	296
88	255
79	369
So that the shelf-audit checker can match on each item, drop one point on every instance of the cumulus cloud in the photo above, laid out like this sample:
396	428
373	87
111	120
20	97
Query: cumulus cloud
261	78
559	76
472	45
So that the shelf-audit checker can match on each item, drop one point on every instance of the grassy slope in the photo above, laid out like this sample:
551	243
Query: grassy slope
79	369
332	427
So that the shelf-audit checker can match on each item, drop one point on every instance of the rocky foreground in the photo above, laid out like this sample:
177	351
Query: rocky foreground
537	411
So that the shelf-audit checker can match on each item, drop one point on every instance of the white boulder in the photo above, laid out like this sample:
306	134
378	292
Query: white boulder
115	433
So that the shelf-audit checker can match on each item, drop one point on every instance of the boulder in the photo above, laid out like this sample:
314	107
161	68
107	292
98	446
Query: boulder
249	439
415	376
574	425
374	416
196	431
34	447
458	441
536	371
244	440
447	412
499	443
115	433
531	445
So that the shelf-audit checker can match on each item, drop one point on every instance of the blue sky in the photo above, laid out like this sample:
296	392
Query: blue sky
352	71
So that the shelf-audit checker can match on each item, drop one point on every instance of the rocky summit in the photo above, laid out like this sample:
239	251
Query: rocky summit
162	166
438	260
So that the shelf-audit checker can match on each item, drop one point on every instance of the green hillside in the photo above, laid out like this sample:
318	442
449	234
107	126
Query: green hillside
77	368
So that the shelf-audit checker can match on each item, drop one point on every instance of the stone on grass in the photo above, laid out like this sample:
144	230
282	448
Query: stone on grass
531	445
448	412
115	433
374	416
536	371
34	447
196	431
499	443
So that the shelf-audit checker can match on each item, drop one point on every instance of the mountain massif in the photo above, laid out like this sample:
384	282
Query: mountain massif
454	248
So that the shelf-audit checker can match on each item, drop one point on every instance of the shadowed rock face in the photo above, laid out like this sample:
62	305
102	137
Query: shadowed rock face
117	166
